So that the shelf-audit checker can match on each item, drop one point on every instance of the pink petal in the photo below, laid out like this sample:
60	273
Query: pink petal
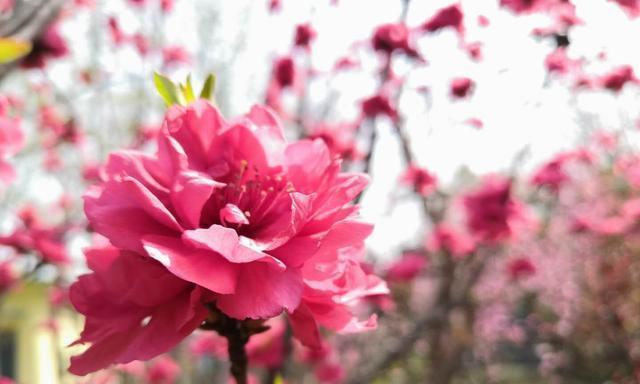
305	328
190	193
199	266
265	291
226	242
232	214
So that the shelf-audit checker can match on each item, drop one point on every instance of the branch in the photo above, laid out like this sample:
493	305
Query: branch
26	21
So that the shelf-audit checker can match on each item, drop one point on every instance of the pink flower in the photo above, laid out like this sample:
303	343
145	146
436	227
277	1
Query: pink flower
445	238
388	38
284	72
378	105
631	7
141	43
528	6
116	33
175	55
475	122
35	236
520	268
491	210
618	77
422	181
162	370
225	213
166	5
304	35
450	16
47	46
474	50
126	320
11	141
461	87
5	7
274	5
552	174
557	61
407	267
339	138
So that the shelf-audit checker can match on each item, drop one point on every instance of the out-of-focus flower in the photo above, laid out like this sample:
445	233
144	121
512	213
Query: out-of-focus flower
175	55
339	138
558	62
461	87
227	213
552	174
422	181
450	16
274	5
447	238
117	36
378	105
162	370
617	78
388	38
409	266
141	43
6	6
491	210
528	6
167	5
520	268
631	7
35	236
304	35
475	122
474	50
48	45
284	71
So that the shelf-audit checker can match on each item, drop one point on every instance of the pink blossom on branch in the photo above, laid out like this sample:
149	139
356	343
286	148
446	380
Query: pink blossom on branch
422	181
491	210
450	16
226	213
48	45
388	38
631	7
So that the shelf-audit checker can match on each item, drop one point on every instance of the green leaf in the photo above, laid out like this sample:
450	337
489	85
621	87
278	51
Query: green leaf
13	49
187	91
167	90
209	87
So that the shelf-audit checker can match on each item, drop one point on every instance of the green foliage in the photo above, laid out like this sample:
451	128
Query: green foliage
13	49
182	93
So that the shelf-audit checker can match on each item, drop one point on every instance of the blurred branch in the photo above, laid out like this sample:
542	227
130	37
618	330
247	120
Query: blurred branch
26	21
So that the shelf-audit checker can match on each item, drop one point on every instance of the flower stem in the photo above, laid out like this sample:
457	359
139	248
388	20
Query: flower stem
237	332
237	339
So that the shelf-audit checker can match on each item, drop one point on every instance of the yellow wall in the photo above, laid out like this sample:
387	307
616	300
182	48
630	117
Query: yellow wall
42	356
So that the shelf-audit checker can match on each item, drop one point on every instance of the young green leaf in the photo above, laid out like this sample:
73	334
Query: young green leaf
187	90
13	49
167	90
209	87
